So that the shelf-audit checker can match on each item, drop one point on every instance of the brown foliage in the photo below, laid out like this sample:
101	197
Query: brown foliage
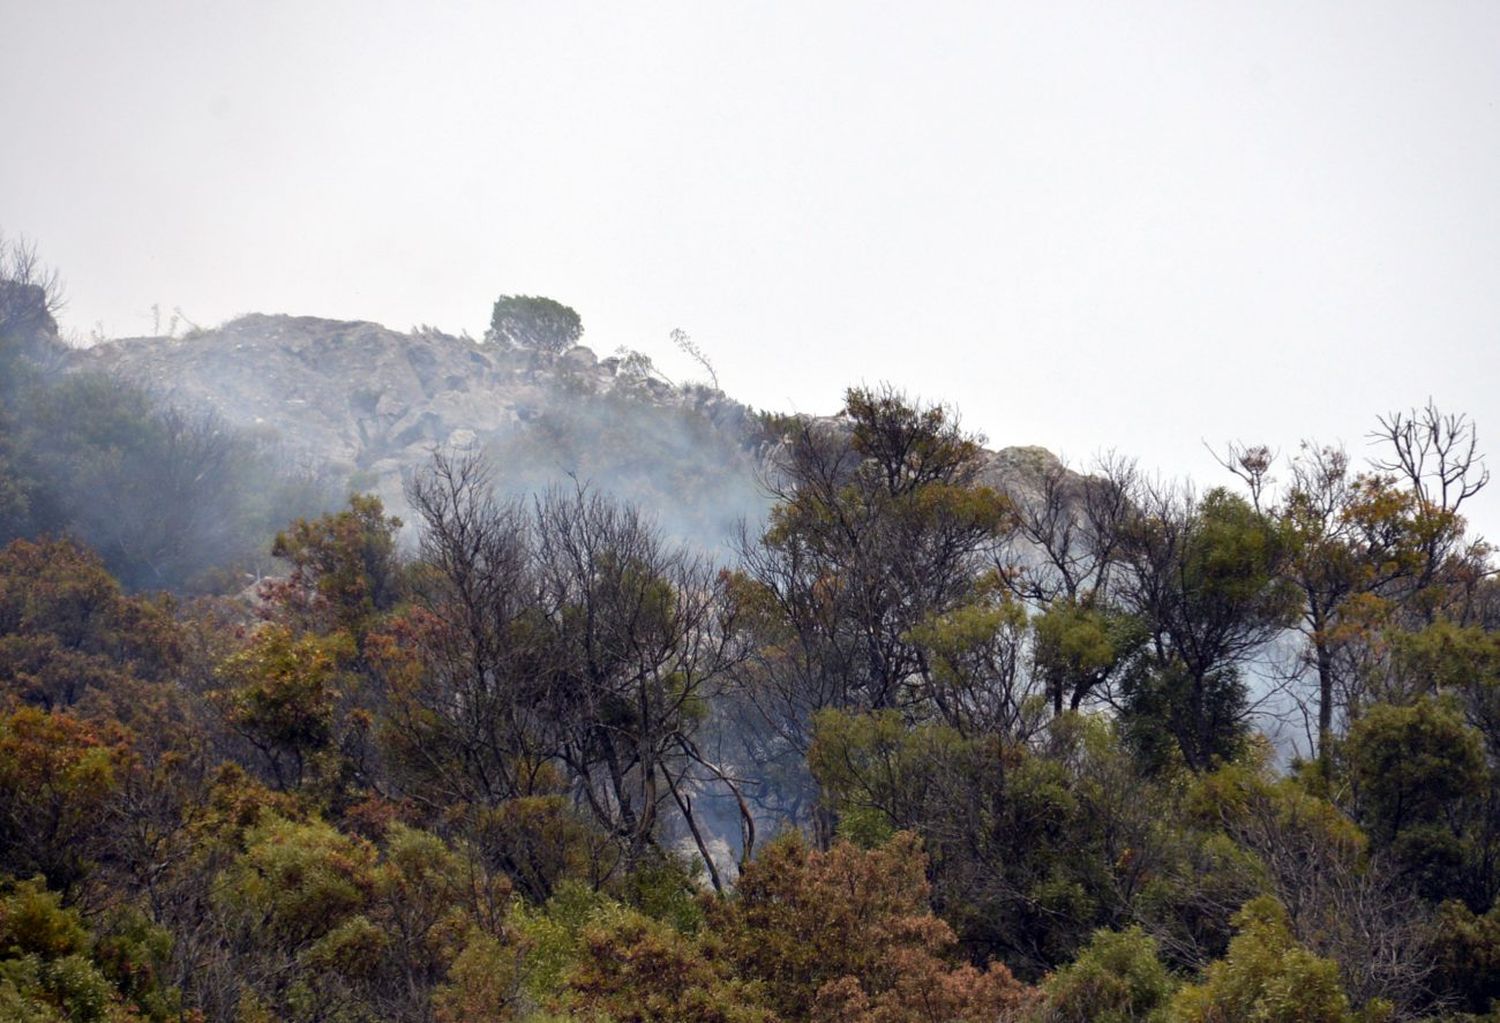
848	935
65	627
637	970
59	777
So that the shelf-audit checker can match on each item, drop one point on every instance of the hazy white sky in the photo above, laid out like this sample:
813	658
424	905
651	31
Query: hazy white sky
1137	226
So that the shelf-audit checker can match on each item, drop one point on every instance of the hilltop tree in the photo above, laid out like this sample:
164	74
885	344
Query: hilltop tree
530	321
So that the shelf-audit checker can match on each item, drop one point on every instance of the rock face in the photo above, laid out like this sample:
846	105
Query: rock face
352	393
371	404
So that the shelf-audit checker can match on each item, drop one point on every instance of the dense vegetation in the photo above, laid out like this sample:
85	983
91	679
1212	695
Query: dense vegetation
925	751
171	498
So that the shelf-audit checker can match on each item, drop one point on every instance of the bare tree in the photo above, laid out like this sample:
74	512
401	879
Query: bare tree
1342	903
1437	456
690	348
564	638
643	637
471	730
1251	463
31	293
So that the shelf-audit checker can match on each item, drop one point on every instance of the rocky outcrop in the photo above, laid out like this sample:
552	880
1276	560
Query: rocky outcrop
352	393
371	404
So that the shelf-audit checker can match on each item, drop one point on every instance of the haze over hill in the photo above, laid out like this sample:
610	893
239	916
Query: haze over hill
370	404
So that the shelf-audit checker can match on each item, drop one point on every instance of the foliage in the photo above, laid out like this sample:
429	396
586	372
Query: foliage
280	692
1207	581
527	321
53	969
633	969
1117	978
66	629
329	923
1468	955
1416	771
344	567
525	771
1411	763
190	500
59	779
1267	976
848	935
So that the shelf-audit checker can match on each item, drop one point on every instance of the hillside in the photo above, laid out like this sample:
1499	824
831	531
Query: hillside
922	753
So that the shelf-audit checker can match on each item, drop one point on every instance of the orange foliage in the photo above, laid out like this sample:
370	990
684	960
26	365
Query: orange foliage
65	627
637	970
58	779
848	936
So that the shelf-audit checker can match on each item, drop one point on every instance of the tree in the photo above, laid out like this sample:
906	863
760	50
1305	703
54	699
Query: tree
53	968
59	781
1117	978
872	586
881	522
67	630
1081	647
633	969
280	695
1468	956
1031	846
1349	540
540	324
641	633
326	926
31	295
568	636
1063	561
1069	526
847	935
1421	783
1437	457
1267	976
1344	900
188	494
1205	579
345	568
1411	764
464	667
1388	542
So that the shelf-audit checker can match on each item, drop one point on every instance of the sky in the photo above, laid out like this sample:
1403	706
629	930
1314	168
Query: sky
1136	227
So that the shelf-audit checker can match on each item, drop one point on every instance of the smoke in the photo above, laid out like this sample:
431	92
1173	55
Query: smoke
691	466
171	497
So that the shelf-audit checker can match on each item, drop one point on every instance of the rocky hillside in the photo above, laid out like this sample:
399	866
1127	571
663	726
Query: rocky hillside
371	404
